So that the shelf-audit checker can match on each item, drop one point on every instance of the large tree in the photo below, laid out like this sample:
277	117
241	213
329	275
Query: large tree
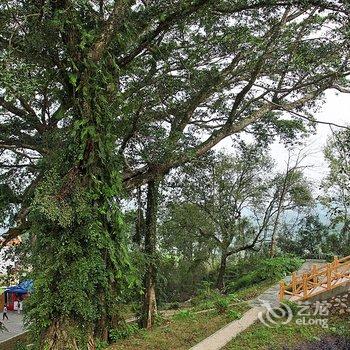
291	192
235	202
238	197
336	195
310	239
101	96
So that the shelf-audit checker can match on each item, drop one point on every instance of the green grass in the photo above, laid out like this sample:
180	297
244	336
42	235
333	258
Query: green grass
246	274
183	330
261	337
255	290
210	299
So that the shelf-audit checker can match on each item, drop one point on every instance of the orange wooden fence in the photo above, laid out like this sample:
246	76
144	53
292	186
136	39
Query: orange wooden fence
317	280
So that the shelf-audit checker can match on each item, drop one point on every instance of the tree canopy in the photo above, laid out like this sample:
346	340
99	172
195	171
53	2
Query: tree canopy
99	97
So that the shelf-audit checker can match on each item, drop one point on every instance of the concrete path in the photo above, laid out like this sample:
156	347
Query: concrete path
270	296
14	326
223	336
259	305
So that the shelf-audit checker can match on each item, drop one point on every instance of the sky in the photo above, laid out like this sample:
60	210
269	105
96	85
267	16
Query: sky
336	109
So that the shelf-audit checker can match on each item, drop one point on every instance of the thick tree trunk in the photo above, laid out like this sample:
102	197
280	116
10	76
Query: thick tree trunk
223	263
62	335
149	309
79	257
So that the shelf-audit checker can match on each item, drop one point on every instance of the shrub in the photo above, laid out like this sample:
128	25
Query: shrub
221	305
270	269
135	307
178	280
101	344
232	297
205	305
184	315
206	295
209	298
122	332
234	315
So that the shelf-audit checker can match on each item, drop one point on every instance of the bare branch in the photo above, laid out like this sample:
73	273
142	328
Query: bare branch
310	119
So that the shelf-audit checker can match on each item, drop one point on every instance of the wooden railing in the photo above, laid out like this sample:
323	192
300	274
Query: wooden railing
317	280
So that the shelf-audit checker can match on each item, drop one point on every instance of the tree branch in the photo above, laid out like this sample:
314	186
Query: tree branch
12	233
163	25
112	25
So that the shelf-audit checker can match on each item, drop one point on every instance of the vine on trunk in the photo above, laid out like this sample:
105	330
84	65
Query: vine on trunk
80	262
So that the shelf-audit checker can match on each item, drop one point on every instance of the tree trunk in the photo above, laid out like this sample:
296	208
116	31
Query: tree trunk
275	226
272	246
279	211
62	335
222	270
149	309
137	239
79	256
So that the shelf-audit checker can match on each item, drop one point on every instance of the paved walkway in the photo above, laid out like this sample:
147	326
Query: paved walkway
220	338
259	305
14	326
270	296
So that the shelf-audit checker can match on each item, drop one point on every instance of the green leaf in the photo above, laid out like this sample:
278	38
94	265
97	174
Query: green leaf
73	78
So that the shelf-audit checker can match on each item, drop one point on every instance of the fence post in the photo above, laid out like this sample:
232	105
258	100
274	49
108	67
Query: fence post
305	285
294	283
282	290
329	276
314	273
